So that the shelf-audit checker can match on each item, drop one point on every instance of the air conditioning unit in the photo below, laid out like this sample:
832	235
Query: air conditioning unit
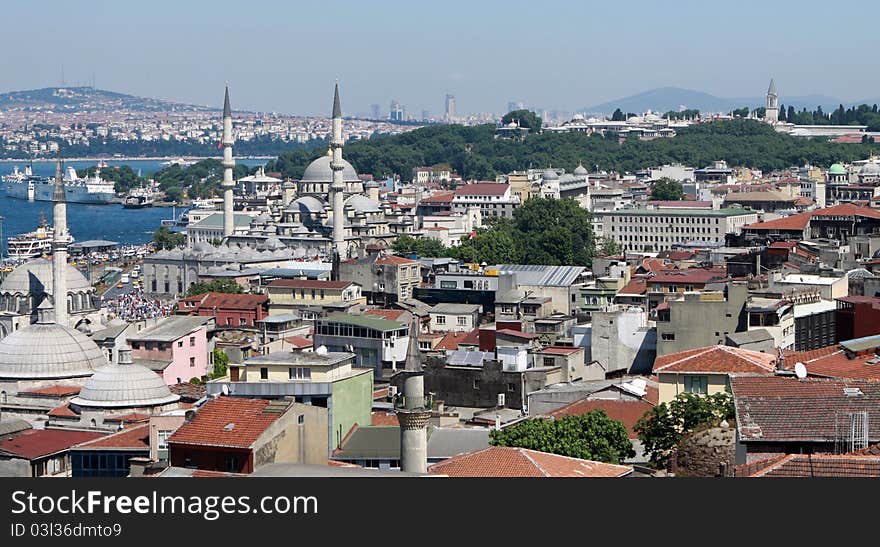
392	391
501	399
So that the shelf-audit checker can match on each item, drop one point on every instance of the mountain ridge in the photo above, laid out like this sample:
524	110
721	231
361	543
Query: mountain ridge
86	98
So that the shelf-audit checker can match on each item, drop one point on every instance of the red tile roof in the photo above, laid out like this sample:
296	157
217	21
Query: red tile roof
384	418
392	259
451	340
627	411
634	287
656	265
299	342
516	334
63	411
718	360
228	301
131	438
781	409
31	444
502	461
51	391
482	189
472	338
390	315
561	350
439	197
128	418
228	422
689	276
813	465
309	284
834	362
794	222
849	210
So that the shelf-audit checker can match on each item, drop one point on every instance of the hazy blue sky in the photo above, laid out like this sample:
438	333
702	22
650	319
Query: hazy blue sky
285	55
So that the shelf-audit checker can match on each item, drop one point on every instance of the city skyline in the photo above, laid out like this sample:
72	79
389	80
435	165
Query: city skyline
459	54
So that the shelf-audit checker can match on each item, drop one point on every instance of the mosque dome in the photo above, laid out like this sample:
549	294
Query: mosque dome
871	169
362	204
47	350
307	204
35	277
580	171
550	174
859	273
837	169
124	384
319	172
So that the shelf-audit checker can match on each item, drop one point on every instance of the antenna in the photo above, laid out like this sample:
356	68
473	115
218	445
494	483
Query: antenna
800	370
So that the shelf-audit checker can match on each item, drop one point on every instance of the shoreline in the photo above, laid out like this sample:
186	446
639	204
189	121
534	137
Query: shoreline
134	158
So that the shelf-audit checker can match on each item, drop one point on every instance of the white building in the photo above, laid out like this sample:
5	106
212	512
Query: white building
493	199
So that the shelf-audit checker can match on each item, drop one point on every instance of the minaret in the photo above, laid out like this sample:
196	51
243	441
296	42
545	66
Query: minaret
228	165
771	113
337	188
413	409
60	241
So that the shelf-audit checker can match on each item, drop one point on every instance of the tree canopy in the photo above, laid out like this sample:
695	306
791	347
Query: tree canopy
215	285
525	118
663	427
666	189
165	239
590	436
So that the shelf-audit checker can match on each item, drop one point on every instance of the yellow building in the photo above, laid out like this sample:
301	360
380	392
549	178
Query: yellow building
286	295
706	371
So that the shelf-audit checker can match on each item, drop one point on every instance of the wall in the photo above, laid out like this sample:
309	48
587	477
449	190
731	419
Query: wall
211	458
288	441
671	384
15	467
694	323
621	340
180	367
351	402
707	453
157	423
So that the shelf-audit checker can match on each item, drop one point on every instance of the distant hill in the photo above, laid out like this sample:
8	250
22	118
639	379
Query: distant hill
86	99
664	99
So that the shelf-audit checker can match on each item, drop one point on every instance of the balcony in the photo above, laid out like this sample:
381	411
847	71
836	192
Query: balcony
404	403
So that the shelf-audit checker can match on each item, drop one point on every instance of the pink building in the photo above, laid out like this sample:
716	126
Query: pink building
176	348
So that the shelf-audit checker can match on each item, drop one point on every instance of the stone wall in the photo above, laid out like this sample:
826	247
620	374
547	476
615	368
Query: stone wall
706	453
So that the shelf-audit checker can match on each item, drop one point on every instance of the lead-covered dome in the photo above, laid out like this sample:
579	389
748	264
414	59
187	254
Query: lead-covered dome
319	172
124	384
35	277
362	204
47	350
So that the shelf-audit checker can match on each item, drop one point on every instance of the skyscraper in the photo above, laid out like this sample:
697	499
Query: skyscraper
450	107
374	111
396	114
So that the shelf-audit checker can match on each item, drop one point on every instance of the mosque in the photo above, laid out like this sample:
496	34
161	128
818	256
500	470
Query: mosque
49	369
305	226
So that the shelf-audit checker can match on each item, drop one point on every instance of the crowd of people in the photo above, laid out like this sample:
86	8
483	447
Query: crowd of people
134	306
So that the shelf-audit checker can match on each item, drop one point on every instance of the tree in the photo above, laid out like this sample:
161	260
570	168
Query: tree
215	285
610	247
760	111
791	115
741	112
618	116
782	113
664	426
666	189
221	363
525	118
423	247
590	436
165	239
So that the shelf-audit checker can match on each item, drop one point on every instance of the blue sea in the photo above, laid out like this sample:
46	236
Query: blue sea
111	222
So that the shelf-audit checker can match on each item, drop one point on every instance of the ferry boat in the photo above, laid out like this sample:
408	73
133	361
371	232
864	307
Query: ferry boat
182	162
90	190
32	244
138	198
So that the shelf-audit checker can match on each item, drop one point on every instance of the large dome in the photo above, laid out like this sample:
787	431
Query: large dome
46	350
870	168
319	172
35	277
837	169
580	171
123	385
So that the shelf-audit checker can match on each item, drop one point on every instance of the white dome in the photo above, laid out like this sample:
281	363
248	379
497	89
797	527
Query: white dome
319	172
307	204
580	171
46	350
35	277
870	168
549	174
362	204
123	385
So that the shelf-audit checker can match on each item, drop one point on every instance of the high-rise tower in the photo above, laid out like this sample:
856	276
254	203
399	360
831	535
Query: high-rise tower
60	240
337	188
413	409
771	113
228	164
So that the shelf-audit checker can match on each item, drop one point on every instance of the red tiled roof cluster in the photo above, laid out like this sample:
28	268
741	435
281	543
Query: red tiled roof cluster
51	391
813	465
393	259
717	359
689	276
228	301
31	444
627	411
798	222
228	422
482	189
503	461
439	197
131	438
835	362
451	340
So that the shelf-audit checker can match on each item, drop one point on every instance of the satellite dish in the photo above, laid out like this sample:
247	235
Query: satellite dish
800	370
225	389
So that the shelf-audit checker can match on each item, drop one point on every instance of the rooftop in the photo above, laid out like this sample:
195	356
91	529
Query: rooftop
498	461
135	437
228	422
309	284
367	321
813	465
716	359
228	301
626	411
171	328
32	444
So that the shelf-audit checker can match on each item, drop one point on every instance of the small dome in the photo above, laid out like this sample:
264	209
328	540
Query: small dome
307	204
859	273
319	172
124	384
35	277
837	169
46	350
580	171
550	174
362	204
870	168
203	247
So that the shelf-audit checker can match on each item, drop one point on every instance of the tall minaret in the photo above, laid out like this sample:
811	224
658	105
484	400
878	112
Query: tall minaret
338	187
228	165
413	409
771	114
60	241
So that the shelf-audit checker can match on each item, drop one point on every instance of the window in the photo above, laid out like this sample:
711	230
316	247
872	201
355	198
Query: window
192	361
162	442
668	336
299	373
549	362
441	319
264	373
180	343
696	384
192	341
242	321
301	419
462	320
476	383
232	465
448	284
511	387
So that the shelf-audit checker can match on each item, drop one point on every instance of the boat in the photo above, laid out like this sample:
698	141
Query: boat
182	162
138	198
32	244
91	190
176	221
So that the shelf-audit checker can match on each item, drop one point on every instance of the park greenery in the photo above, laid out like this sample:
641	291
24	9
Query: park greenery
542	231
215	285
523	118
476	154
590	436
663	427
165	239
666	189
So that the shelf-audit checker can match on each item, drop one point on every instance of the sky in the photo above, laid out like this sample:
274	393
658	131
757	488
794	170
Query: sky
283	56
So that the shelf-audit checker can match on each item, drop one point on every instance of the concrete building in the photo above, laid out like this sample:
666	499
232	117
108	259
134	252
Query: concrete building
621	341
176	348
454	317
379	344
829	288
292	295
385	278
494	199
815	325
700	319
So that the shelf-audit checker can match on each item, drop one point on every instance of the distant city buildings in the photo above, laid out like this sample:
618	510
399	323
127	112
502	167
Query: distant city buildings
450	107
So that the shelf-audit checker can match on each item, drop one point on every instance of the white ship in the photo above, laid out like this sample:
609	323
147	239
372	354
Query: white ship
32	244
91	190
